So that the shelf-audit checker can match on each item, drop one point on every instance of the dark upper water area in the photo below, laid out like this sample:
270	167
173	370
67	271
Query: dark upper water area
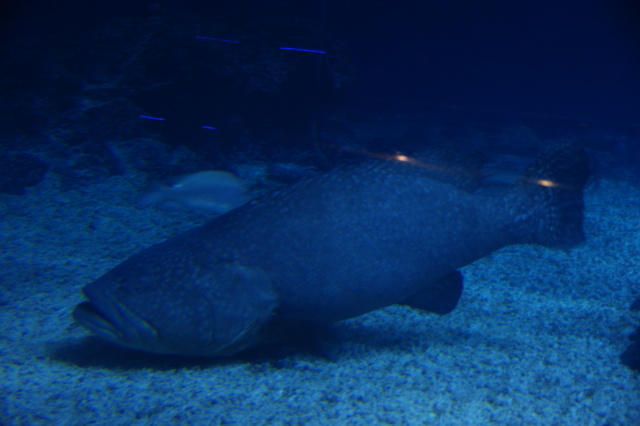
229	81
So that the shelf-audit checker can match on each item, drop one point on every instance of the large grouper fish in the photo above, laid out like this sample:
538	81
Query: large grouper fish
332	247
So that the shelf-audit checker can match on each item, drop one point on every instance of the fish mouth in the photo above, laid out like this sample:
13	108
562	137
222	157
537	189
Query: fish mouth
89	316
114	322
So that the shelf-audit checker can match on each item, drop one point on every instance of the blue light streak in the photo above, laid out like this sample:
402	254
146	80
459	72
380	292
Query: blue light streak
152	118
303	50
208	127
217	39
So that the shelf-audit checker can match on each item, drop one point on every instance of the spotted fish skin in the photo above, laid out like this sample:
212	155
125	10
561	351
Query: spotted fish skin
326	249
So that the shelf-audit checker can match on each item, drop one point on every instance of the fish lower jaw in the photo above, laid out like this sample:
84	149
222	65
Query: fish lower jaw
91	319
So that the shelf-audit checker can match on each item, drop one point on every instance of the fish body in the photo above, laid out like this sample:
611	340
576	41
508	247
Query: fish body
330	248
213	190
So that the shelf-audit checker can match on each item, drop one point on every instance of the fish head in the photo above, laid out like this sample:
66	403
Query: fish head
213	311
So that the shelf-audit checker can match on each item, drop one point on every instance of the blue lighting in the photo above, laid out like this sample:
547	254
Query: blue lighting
217	39
152	118
302	50
208	127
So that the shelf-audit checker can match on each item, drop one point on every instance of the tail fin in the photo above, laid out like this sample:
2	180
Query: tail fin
555	182
152	194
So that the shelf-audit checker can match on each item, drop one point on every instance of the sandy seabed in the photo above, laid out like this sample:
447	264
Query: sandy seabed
535	339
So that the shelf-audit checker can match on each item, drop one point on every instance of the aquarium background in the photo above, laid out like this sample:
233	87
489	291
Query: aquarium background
101	99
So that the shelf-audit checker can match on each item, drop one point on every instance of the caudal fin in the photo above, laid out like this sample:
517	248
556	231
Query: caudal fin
152	194
554	184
